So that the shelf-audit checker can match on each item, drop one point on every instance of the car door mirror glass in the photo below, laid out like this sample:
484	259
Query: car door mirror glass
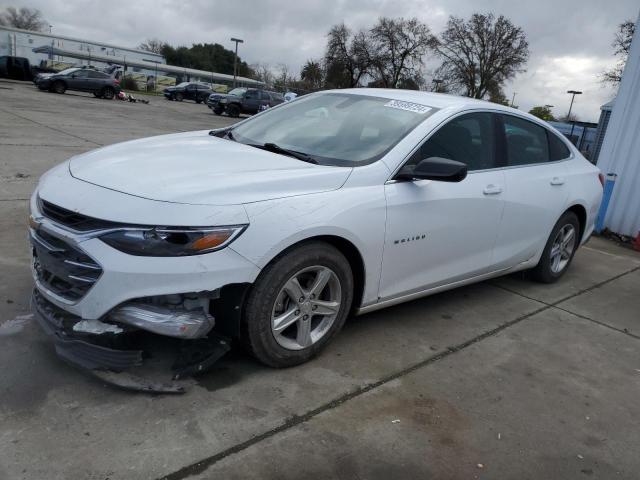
434	168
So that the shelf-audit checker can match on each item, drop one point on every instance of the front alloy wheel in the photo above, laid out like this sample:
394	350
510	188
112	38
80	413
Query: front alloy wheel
306	307
297	304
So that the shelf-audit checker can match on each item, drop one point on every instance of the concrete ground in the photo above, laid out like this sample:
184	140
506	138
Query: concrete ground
504	379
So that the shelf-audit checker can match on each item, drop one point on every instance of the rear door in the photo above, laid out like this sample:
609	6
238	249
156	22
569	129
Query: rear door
438	232
536	194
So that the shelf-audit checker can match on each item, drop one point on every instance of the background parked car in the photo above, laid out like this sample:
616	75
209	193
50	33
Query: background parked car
197	92
100	84
244	100
19	68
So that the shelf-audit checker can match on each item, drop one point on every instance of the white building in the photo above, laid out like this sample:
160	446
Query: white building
21	43
620	152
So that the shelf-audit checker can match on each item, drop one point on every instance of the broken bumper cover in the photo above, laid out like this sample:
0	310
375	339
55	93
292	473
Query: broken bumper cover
77	349
115	358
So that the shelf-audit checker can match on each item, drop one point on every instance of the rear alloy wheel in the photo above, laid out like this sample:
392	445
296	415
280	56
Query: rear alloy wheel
233	110
108	93
559	250
59	87
299	302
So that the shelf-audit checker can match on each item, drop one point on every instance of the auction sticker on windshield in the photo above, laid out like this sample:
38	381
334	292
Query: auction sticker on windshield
410	106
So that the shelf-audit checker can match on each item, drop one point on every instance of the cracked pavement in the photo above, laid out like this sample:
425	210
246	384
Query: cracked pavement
502	379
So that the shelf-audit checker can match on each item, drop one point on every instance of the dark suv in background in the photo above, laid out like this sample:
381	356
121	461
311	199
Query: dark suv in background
243	100
198	92
101	84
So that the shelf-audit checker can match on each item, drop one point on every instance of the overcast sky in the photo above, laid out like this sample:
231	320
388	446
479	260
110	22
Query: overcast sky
570	40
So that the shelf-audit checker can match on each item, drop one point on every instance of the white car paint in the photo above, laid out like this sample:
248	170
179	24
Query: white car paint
491	223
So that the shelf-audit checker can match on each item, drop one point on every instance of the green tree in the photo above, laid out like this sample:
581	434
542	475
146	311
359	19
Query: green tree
312	75
211	57
543	112
347	57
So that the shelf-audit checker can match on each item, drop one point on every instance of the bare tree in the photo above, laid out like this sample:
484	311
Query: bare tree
25	18
399	45
152	45
621	45
347	57
482	53
263	73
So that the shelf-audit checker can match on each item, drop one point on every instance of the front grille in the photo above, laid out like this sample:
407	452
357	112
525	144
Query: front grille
62	268
73	220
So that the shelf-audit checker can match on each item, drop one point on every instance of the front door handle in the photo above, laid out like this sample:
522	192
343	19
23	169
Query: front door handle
492	189
557	181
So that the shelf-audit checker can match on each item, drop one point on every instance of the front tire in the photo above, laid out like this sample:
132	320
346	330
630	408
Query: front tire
178	97
559	250
233	110
59	87
297	305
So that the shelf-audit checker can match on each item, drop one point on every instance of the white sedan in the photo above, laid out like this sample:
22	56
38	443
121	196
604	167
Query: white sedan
275	230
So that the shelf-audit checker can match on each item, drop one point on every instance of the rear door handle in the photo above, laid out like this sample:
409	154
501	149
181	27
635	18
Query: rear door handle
557	181
492	189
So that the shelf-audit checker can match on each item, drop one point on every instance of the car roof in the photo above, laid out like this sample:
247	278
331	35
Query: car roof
437	100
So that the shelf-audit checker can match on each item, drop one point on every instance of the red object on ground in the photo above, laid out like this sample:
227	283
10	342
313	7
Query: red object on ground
636	242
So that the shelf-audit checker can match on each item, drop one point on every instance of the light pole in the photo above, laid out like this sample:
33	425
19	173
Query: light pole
513	99
573	124
235	60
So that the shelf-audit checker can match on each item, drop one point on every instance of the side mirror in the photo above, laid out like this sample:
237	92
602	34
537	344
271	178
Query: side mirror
434	168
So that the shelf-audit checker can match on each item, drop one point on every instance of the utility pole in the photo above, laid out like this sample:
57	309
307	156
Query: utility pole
573	123
235	60
513	99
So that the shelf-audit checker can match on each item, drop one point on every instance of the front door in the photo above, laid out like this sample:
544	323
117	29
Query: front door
440	232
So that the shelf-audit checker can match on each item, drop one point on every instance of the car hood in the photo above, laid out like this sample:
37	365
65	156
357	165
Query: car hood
197	168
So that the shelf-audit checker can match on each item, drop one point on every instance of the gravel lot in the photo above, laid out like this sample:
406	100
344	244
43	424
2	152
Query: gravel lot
503	379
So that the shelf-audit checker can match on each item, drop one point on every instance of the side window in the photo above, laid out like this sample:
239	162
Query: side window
469	139
93	74
80	74
191	86
526	142
557	149
251	94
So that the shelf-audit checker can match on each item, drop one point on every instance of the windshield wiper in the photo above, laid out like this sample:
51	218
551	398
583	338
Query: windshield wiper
272	147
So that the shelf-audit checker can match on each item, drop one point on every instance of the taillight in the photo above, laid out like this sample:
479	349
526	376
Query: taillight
601	178
117	82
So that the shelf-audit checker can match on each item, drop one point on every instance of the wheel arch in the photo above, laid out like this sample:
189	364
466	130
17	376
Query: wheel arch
580	212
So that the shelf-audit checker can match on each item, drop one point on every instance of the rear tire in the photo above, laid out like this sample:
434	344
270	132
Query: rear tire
282	331
59	87
108	93
233	110
559	251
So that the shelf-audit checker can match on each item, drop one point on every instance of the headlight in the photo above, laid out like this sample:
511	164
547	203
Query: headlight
172	242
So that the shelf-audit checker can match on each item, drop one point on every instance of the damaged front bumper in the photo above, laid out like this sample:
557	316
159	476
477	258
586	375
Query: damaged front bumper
116	352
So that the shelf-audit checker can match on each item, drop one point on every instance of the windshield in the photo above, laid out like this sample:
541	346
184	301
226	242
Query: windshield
335	128
237	92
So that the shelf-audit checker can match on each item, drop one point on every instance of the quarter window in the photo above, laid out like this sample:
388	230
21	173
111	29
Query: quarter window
527	142
468	139
557	149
